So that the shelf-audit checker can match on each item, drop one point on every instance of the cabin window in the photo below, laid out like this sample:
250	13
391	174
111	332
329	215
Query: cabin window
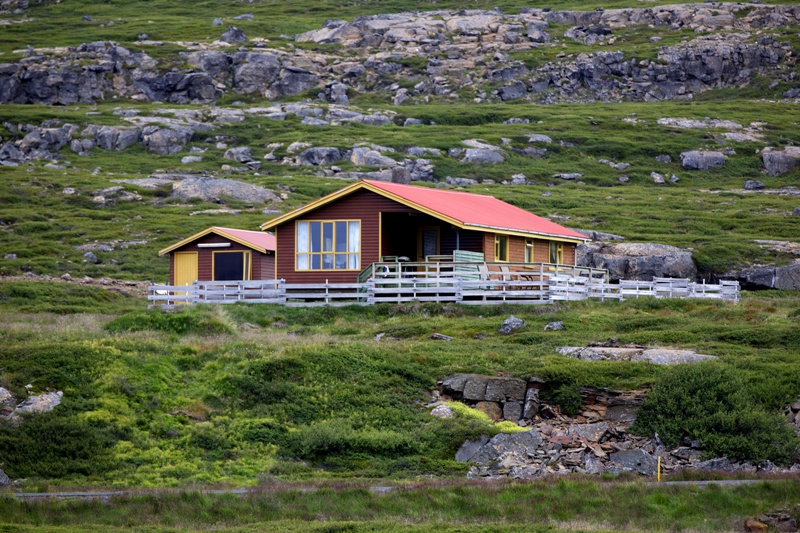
529	250
328	245
501	248
556	252
231	265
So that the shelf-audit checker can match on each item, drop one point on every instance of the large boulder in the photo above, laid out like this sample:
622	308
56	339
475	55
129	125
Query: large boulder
638	260
233	35
42	403
769	277
511	447
319	156
637	461
213	189
777	162
368	157
480	155
254	72
117	137
165	141
292	81
5	481
702	160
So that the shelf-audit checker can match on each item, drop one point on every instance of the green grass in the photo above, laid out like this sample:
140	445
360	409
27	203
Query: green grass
193	397
536	507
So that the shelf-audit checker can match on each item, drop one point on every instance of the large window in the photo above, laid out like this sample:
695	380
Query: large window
556	252
231	266
328	245
501	248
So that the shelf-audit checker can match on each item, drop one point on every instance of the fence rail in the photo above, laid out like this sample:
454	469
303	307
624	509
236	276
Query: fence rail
468	290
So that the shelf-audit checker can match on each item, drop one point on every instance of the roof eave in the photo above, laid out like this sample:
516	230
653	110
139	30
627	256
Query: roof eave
525	233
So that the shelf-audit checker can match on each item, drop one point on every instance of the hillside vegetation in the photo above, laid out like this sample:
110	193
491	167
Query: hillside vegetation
243	396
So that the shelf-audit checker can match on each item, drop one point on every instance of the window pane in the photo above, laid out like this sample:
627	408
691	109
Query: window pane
315	260
354	239
327	237
327	261
228	266
302	236
302	261
353	261
341	261
553	256
316	238
341	236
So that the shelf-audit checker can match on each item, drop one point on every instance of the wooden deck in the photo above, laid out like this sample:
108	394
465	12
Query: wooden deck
464	283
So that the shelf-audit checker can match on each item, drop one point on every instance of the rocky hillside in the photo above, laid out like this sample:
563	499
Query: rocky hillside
233	119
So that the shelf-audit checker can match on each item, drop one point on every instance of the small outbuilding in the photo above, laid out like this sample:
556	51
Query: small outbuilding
222	254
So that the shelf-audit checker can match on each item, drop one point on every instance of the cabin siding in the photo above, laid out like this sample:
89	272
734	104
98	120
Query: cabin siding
362	205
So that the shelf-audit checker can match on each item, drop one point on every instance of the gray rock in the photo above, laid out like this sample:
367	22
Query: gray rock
292	81
531	405
663	158
217	22
475	388
454	383
554	326
10	152
657	178
470	449
718	464
191	159
412	122
165	141
512	411
443	411
512	91
336	93
796	212
505	389
477	155
638	261
5	481
213	189
591	432
241	154
769	277
362	156
517	121
753	185
638	461
568	176
319	156
506	446
89	256
777	163
511	324
244	16
234	35
701	159
253	72
539	138
42	403
6	398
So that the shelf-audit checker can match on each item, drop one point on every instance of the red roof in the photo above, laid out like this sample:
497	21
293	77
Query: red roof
476	210
258	239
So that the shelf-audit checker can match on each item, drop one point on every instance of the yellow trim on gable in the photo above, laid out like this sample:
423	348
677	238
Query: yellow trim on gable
215	231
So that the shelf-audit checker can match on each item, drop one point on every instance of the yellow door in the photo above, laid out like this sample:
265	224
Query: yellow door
185	269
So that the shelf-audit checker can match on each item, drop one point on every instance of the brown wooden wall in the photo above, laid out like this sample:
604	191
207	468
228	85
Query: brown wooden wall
263	266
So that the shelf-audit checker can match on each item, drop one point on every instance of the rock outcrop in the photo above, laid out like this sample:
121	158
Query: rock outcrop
769	277
638	261
779	162
214	189
462	47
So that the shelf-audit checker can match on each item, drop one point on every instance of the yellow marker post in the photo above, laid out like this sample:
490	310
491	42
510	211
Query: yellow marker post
658	472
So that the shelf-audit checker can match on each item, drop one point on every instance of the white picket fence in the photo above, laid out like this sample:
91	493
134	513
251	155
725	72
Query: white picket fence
543	290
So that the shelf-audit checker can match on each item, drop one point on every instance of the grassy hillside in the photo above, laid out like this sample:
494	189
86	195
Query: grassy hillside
248	394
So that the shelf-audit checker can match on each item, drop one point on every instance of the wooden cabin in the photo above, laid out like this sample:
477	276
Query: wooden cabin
335	237
221	254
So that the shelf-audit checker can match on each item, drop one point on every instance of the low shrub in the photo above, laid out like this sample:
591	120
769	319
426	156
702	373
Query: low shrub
198	319
338	437
711	403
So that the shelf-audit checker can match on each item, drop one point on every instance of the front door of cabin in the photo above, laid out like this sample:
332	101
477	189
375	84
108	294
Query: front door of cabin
185	269
427	242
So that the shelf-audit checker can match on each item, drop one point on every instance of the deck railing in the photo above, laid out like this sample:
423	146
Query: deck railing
466	283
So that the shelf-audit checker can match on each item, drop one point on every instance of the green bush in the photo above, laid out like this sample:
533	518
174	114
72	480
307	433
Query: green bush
198	319
338	437
55	445
568	399
712	403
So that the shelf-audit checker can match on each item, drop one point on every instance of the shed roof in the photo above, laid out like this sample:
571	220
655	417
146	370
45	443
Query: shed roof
257	240
462	209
